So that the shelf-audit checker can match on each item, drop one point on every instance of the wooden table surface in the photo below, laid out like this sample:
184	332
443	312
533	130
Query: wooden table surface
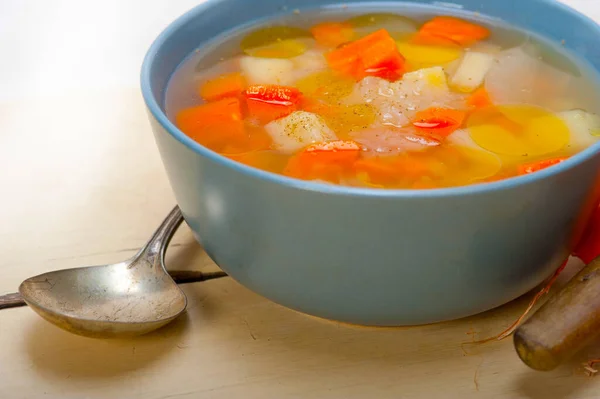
83	184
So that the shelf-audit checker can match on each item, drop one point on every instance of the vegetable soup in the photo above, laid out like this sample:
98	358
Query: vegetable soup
380	99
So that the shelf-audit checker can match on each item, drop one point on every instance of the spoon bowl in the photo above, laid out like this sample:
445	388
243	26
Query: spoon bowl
128	298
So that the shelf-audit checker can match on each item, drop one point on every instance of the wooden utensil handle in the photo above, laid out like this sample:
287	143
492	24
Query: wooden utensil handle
565	324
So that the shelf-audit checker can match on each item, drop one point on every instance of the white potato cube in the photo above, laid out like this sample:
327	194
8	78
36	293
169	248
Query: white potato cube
584	127
298	130
310	61
472	71
267	70
426	77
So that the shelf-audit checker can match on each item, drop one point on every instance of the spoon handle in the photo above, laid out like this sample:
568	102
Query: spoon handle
565	324
154	250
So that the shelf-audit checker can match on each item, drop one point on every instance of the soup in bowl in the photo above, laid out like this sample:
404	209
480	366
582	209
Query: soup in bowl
380	163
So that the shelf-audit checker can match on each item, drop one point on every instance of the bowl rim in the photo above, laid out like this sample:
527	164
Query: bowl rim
270	177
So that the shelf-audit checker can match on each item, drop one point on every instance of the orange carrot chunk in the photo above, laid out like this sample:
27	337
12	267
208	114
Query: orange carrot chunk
322	160
377	168
340	151
439	122
270	102
537	166
480	99
332	34
383	59
228	85
373	55
442	30
386	170
213	122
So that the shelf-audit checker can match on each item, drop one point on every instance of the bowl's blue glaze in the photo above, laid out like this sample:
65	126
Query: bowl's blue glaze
371	257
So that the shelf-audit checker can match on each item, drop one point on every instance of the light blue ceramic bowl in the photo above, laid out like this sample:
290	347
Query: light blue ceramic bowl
366	256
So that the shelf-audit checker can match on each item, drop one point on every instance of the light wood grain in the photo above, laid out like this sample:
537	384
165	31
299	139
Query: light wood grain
82	184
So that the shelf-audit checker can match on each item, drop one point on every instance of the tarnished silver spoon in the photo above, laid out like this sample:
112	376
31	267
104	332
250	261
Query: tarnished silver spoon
125	299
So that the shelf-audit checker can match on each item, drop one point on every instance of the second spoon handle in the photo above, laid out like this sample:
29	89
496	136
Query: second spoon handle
155	249
13	300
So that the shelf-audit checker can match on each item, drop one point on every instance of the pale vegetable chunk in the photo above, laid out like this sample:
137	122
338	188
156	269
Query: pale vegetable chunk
397	103
584	127
433	77
267	70
424	89
472	71
298	130
517	77
309	62
392	141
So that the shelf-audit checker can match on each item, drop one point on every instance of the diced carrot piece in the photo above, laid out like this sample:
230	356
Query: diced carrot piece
383	59
444	29
317	160
332	34
215	121
480	99
537	166
588	248
382	170
440	122
345	59
270	102
340	151
228	85
377	168
373	55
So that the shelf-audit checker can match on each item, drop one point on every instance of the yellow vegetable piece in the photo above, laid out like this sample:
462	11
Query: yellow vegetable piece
518	130
281	49
475	165
349	118
326	85
275	39
422	56
457	165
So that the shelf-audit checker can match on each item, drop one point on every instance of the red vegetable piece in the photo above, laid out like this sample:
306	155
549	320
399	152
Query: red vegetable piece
537	166
323	160
480	99
270	102
373	55
439	122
